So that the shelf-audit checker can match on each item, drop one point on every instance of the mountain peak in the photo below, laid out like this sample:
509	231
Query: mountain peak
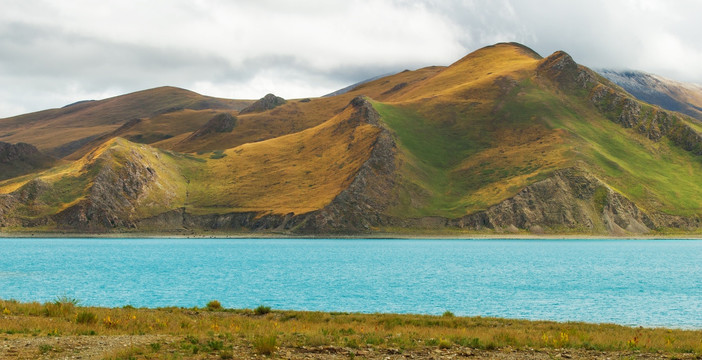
267	102
559	66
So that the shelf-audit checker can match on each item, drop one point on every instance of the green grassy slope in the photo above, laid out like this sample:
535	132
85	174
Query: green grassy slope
465	151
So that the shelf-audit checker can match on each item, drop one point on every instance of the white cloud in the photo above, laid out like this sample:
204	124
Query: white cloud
53	50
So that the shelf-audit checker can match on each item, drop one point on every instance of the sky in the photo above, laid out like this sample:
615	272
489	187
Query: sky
53	53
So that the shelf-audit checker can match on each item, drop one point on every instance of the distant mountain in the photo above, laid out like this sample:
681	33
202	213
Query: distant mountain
653	89
61	131
352	86
502	140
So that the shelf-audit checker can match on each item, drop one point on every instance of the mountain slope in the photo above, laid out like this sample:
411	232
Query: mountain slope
50	130
501	140
657	90
478	146
121	184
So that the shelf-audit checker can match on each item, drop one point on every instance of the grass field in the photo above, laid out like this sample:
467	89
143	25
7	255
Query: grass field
215	332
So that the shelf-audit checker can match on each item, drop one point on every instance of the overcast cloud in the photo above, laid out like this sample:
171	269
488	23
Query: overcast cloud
53	53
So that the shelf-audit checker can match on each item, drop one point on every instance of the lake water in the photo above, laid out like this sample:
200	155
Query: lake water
631	282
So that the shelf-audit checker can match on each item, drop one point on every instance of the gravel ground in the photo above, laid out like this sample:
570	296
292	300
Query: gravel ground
101	347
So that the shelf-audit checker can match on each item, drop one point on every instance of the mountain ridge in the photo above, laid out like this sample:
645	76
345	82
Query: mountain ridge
501	141
657	90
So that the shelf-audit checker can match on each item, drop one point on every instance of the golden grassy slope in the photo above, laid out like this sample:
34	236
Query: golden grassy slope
295	115
295	173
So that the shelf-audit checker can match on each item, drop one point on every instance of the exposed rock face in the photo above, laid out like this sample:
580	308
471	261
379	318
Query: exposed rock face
564	71
7	205
20	159
362	205
113	196
220	123
619	106
19	151
358	208
267	102
652	122
574	200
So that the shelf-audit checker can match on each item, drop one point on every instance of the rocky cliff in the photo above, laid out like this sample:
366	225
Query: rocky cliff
572	200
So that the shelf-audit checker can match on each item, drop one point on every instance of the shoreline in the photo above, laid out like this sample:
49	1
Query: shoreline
394	236
57	329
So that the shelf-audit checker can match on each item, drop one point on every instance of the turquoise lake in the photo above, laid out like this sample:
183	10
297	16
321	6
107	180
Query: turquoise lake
630	282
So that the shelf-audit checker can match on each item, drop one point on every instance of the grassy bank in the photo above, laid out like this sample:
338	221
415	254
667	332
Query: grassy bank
215	332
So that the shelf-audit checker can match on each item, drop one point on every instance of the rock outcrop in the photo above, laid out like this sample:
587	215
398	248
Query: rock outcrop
569	199
618	106
220	123
362	205
115	194
267	102
21	158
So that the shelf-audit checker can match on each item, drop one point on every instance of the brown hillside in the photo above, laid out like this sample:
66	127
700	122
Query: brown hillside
50	129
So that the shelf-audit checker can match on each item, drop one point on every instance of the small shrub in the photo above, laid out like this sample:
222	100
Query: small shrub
215	345
214	305
109	322
317	339
373	339
86	317
155	347
262	310
468	342
226	355
447	314
265	345
217	154
444	344
351	343
62	306
66	300
45	348
192	339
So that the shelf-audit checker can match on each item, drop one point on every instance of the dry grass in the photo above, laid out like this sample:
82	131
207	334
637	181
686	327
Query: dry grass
218	332
295	173
52	128
296	116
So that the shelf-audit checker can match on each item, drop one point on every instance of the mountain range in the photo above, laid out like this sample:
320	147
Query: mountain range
657	90
501	141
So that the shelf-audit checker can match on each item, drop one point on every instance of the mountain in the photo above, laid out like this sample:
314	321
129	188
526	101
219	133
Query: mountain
502	140
59	132
352	86
657	90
